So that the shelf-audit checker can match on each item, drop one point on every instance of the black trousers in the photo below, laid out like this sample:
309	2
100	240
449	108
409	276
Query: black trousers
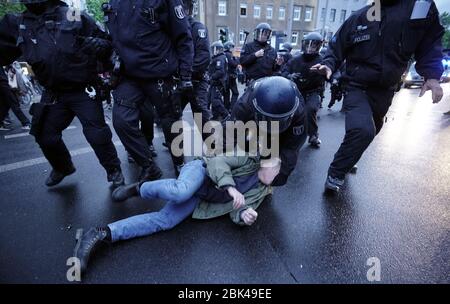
130	102
58	117
228	100
9	101
312	103
215	96
364	117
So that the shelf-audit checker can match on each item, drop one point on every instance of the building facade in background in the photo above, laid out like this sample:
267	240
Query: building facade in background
331	14
290	19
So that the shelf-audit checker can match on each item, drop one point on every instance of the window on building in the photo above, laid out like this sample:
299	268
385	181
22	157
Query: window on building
282	13
308	14
257	11
243	10
294	38
241	37
297	13
333	15
323	14
269	12
222	8
343	15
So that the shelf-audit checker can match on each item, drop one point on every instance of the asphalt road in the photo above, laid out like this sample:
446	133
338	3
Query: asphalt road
395	209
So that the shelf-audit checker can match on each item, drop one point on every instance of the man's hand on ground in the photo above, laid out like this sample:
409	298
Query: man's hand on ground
436	90
249	216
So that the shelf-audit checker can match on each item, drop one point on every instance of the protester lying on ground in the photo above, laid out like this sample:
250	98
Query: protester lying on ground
206	188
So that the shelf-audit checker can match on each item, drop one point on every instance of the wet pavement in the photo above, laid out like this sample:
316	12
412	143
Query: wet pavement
396	209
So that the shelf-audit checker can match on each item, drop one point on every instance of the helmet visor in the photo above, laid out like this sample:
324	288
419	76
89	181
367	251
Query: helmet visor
263	35
311	46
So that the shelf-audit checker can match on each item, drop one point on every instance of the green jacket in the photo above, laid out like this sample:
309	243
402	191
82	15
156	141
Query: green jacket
222	169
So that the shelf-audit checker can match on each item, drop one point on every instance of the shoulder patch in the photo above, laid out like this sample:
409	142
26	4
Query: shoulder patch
218	63
202	33
179	11
298	130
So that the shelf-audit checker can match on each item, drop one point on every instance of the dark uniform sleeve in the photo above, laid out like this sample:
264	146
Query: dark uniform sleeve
9	30
182	37
429	51
202	56
247	56
338	46
290	143
287	69
91	29
219	69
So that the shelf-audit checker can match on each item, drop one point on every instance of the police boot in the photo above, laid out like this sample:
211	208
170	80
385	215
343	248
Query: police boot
314	141
354	169
116	177
150	173
56	177
88	243
447	113
333	184
125	192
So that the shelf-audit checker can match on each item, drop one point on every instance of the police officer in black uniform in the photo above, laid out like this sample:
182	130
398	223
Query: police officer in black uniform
63	47
377	53
202	58
154	42
233	63
218	78
285	53
261	102
258	58
309	83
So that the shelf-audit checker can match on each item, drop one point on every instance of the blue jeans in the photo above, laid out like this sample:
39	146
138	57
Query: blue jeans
181	202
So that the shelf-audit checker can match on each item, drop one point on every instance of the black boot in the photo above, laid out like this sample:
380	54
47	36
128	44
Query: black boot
88	243
56	177
125	192
333	184
116	177
150	173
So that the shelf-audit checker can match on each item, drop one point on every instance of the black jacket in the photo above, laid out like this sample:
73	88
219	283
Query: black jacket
52	45
3	77
218	70
152	37
202	56
302	64
233	63
291	140
255	67
377	53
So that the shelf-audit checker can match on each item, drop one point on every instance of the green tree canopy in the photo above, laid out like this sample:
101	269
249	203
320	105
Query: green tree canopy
6	8
94	8
445	21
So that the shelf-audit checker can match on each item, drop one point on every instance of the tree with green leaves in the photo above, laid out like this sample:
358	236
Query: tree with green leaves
9	8
94	8
445	21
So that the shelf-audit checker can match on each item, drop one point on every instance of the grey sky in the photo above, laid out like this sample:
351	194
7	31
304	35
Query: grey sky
443	5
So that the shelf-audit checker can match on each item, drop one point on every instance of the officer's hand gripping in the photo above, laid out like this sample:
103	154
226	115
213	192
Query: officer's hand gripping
322	70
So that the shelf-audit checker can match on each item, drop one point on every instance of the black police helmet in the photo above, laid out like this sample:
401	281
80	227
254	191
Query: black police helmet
262	32
275	99
228	45
287	47
312	43
217	47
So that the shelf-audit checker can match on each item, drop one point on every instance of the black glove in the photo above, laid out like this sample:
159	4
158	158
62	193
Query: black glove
186	84
95	46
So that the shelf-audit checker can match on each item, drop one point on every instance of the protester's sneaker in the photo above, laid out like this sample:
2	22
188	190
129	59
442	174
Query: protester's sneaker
314	141
333	184
88	243
56	177
151	173
125	192
116	177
